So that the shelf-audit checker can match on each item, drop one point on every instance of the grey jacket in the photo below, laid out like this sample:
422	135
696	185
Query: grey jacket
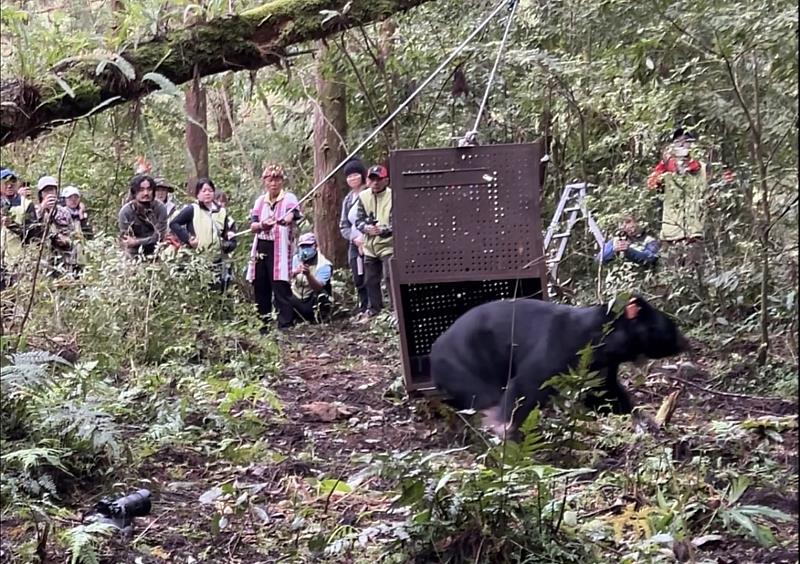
149	224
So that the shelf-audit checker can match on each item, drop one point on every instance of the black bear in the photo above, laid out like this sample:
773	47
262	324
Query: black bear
480	365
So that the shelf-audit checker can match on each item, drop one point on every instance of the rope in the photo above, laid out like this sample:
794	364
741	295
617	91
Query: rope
473	133
407	101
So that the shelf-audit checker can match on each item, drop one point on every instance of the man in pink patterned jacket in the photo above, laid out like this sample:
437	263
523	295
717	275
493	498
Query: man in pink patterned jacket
273	219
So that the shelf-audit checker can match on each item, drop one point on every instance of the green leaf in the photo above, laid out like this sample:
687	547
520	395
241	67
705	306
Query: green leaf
411	493
764	512
737	488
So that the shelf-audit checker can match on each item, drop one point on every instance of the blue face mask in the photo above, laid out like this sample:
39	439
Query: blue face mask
307	253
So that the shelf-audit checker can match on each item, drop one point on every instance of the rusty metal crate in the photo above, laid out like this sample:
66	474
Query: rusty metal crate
467	230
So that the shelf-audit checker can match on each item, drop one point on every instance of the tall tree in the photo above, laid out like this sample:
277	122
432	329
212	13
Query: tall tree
223	108
196	131
330	128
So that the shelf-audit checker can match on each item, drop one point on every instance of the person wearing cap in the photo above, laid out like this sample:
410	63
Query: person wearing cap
8	187
356	177
680	180
374	221
56	224
311	282
21	216
143	219
273	220
206	227
71	196
164	192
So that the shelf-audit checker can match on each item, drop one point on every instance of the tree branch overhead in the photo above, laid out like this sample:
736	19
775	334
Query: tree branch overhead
256	38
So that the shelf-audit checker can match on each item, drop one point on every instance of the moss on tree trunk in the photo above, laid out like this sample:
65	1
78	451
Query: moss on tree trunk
251	40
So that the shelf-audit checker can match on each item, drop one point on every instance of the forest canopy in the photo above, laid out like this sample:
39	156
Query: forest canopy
260	445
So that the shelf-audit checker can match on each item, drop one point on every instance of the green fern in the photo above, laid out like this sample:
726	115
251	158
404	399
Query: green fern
32	458
26	371
84	540
86	422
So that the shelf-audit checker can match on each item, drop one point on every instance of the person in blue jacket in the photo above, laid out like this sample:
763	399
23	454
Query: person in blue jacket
630	243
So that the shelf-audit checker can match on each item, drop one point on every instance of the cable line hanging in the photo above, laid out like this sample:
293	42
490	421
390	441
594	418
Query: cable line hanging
471	137
414	94
453	54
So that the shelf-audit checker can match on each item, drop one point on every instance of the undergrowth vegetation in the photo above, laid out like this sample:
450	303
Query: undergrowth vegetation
303	446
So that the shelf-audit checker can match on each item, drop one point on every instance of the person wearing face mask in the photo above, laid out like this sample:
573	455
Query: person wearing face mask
142	220
355	175
311	281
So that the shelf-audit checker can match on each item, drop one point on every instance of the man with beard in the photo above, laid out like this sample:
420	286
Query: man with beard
142	220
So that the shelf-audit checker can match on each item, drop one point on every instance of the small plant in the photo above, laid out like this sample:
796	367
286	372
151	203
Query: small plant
84	541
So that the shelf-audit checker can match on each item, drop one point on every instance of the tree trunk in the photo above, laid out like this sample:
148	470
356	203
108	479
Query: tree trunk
256	38
330	128
196	136
221	112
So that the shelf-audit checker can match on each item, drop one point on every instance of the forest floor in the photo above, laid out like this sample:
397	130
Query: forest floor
343	407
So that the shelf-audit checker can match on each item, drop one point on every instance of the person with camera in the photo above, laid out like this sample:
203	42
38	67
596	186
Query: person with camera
311	282
374	220
54	222
273	220
142	220
206	227
71	199
631	243
631	255
356	177
680	181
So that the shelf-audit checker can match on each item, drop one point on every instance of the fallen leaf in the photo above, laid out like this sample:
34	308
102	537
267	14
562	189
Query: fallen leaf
326	411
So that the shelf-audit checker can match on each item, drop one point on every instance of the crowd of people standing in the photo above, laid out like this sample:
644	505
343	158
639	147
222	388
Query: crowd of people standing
289	274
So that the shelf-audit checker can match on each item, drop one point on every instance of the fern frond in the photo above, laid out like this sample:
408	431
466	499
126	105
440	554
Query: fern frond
83	541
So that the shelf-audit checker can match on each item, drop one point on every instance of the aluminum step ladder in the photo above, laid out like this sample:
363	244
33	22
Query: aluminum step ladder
571	208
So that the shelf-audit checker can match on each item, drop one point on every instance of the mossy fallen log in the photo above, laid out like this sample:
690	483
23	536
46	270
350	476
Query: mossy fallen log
247	41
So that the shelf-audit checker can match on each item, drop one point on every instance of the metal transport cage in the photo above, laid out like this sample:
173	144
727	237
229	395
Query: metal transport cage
467	230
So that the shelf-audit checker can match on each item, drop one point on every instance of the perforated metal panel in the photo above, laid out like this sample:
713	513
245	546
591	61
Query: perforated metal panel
467	230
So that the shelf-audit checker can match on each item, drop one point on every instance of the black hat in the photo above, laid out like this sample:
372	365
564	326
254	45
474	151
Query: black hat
681	132
355	166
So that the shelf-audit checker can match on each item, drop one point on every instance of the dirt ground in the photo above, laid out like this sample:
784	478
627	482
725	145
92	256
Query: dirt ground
339	410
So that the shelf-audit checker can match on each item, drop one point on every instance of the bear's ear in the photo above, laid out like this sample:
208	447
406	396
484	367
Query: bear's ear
632	308
617	303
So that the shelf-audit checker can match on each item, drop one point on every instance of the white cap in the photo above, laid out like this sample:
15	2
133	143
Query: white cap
70	191
46	181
